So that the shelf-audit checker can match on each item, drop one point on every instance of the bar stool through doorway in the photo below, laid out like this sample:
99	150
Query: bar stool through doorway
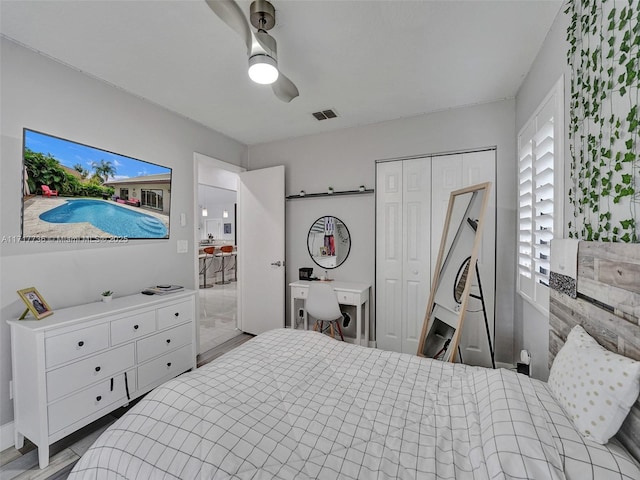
225	251
208	254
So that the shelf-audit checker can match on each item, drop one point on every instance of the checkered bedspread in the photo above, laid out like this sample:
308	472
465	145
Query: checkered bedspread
292	404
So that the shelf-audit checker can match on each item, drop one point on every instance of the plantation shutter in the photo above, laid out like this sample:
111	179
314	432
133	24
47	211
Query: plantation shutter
539	181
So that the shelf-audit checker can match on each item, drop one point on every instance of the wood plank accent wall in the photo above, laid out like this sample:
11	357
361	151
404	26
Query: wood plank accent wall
608	273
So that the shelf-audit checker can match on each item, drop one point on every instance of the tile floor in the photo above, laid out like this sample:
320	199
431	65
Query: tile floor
218	315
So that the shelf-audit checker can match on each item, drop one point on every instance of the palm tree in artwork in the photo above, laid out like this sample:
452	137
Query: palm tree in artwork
104	170
84	173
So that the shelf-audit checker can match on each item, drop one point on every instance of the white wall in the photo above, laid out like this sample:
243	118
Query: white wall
532	327
216	201
43	95
216	173
345	159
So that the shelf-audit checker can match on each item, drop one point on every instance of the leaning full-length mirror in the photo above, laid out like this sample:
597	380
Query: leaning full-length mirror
455	269
329	242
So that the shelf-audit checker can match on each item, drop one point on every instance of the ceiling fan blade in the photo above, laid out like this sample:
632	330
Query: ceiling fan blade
284	88
265	44
257	43
230	13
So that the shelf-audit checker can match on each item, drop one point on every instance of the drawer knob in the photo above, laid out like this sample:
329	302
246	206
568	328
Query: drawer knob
97	369
168	364
168	340
80	343
135	327
98	398
177	314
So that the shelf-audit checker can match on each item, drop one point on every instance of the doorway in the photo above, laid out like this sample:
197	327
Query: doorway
216	252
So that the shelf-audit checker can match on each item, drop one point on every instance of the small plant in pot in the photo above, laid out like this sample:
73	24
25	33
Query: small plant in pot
107	295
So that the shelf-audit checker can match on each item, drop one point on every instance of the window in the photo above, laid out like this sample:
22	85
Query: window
152	199
124	193
540	184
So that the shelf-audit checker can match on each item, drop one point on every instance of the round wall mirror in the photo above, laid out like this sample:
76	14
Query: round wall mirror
328	242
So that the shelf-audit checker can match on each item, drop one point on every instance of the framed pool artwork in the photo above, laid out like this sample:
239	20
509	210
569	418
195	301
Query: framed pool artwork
73	192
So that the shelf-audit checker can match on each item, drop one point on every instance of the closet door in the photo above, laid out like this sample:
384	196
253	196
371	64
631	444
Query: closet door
451	172
416	265
389	256
403	267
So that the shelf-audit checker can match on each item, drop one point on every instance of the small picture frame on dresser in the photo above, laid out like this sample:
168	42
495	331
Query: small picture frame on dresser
35	303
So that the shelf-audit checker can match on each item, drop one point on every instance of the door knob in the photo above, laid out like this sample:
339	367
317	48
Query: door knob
277	264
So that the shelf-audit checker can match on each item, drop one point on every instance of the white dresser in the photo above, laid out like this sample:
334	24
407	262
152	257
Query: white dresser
82	362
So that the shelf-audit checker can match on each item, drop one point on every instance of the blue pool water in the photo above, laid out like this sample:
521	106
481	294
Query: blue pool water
108	217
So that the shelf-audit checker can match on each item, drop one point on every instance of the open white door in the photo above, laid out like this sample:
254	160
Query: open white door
261	269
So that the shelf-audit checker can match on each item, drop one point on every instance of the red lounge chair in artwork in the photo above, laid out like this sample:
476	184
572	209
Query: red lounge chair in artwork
47	192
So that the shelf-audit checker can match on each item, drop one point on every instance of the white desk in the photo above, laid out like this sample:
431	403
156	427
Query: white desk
356	294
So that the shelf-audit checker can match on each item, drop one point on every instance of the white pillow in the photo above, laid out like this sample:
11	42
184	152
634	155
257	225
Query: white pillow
595	387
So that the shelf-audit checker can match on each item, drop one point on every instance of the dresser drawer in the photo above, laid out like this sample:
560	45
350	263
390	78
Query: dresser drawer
300	292
133	327
79	343
174	314
164	342
164	367
348	298
82	404
69	378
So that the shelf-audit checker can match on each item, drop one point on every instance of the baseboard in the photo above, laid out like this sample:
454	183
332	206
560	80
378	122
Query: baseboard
6	436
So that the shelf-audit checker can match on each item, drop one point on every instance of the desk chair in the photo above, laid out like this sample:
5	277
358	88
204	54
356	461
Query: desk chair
322	304
208	254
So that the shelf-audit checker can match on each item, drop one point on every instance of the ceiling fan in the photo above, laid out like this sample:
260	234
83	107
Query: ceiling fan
261	47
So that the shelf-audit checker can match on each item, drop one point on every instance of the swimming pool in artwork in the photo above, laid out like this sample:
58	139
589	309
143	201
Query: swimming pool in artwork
108	217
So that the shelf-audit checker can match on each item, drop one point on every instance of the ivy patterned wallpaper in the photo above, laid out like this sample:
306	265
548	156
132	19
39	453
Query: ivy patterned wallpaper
604	128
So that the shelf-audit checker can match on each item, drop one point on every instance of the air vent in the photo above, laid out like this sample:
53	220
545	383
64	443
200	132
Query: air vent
325	114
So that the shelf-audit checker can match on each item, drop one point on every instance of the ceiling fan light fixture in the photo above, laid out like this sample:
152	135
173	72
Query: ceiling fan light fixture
263	69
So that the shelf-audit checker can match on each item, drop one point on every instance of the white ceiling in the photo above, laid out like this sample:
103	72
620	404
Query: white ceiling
208	195
370	60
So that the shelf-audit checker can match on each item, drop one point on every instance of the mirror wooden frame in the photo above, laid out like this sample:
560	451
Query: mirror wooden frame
452	347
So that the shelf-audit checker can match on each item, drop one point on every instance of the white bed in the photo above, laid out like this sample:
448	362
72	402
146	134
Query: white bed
292	404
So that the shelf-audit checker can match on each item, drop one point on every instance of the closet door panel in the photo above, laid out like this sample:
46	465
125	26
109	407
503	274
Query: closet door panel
389	224
393	241
446	171
415	310
417	240
390	311
392	277
479	167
